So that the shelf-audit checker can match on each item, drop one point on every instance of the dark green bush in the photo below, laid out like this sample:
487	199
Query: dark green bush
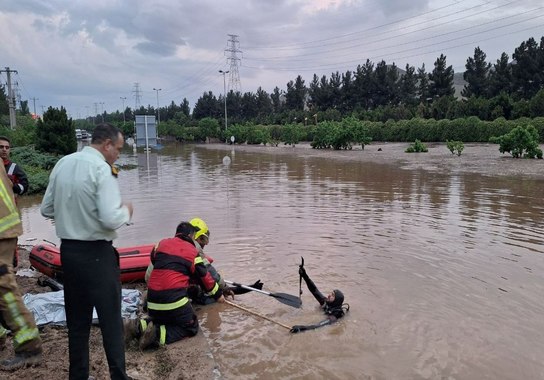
417	147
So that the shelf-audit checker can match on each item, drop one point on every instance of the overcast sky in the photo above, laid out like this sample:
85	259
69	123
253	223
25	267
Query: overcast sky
87	55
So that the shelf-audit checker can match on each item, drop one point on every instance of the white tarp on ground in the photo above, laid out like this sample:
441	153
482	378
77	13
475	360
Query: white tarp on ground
49	307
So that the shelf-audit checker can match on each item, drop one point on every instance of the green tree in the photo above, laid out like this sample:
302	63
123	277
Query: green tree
441	79
56	133
476	75
296	94
263	104
365	84
4	105
209	127
423	85
276	100
519	142
24	108
184	106
528	69
348	96
500	78
408	86
207	106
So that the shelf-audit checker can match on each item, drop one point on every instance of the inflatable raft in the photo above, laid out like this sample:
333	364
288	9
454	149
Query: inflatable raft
133	261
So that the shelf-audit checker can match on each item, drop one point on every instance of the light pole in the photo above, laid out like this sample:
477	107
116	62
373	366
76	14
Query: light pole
225	92
158	110
123	98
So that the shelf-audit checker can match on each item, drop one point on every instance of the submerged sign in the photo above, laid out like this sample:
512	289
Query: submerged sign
146	131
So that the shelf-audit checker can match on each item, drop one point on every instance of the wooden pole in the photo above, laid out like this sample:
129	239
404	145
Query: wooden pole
257	314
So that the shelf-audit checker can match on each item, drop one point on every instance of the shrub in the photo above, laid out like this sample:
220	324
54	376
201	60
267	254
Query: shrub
455	147
519	142
417	147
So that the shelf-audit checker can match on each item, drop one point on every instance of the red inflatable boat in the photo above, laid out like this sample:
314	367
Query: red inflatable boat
133	261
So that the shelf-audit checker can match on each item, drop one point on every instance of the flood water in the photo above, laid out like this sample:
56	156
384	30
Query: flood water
443	272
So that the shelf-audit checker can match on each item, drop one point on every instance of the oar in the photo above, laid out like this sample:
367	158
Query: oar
257	314
285	298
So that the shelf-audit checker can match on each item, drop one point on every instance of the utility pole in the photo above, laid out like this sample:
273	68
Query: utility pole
34	102
11	99
137	96
225	92
158	109
123	98
102	109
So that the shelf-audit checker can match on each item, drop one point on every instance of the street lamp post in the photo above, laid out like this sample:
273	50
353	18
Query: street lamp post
158	110
123	98
225	92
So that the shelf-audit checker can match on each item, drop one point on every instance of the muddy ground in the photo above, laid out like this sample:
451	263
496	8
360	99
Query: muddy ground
192	358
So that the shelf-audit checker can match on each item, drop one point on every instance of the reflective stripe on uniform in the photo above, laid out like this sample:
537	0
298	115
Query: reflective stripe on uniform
25	333
214	290
11	169
198	260
167	306
162	335
143	325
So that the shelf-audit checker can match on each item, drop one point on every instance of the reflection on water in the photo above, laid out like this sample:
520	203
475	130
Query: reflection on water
444	273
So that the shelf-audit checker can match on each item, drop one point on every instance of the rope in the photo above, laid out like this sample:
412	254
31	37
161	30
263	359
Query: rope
257	314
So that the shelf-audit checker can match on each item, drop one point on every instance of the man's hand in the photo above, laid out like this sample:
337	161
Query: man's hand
257	285
227	292
221	299
297	328
302	271
129	206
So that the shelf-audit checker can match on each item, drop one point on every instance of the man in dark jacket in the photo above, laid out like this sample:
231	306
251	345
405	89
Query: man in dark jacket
15	173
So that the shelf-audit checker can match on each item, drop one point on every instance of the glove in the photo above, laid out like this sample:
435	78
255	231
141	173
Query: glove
297	328
257	285
302	271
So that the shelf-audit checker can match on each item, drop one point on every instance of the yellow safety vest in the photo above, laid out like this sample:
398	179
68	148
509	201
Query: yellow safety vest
9	215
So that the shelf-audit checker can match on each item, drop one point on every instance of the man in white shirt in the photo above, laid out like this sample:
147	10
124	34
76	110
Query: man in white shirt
84	199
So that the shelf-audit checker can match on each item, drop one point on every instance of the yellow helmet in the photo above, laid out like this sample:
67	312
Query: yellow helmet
202	226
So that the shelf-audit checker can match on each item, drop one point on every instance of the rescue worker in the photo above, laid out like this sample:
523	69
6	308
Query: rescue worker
17	177
171	316
333	305
196	293
13	313
15	173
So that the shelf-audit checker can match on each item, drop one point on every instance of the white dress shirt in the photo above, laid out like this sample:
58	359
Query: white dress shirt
83	198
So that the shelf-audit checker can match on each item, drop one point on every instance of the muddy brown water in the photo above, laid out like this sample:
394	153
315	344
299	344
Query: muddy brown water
443	270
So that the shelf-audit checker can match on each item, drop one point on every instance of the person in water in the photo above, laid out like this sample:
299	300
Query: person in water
333	305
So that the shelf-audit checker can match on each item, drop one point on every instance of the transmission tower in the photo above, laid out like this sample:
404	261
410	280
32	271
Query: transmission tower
137	96
233	59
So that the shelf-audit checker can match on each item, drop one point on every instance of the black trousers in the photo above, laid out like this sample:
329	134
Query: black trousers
178	324
91	279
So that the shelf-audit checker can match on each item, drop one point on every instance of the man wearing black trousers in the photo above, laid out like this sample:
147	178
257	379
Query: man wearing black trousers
84	199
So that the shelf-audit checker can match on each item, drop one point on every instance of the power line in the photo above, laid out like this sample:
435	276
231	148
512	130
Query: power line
367	42
335	64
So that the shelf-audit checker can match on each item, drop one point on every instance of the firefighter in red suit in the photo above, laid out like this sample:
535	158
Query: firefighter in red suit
171	316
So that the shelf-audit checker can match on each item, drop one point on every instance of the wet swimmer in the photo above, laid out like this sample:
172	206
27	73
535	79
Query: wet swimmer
333	305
